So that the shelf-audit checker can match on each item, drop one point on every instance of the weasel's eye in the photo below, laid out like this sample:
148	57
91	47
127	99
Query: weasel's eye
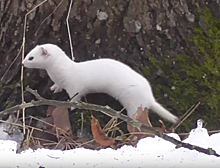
30	58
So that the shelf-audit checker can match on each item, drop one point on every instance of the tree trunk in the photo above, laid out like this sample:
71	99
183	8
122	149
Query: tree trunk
132	31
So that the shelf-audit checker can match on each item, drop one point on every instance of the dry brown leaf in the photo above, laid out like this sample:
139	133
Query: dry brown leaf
61	120
163	128
49	123
57	123
50	110
141	116
99	135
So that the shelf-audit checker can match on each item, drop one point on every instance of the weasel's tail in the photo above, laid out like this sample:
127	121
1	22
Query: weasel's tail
161	111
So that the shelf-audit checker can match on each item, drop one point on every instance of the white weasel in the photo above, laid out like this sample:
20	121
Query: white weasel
96	76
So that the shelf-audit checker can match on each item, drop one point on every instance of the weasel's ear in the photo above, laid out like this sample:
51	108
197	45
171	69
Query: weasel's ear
44	52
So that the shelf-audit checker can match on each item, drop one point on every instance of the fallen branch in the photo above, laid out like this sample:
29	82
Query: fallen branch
108	111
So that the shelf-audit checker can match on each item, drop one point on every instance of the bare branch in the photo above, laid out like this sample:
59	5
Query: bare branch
185	116
108	111
22	58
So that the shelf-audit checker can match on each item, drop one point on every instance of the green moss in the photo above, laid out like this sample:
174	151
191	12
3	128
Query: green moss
195	77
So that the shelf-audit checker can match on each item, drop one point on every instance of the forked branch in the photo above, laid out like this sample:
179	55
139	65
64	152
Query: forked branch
108	111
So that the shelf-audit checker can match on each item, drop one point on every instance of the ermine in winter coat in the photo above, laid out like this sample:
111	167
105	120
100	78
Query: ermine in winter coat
96	76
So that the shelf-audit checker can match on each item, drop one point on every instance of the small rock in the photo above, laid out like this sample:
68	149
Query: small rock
158	27
101	15
98	41
173	88
137	26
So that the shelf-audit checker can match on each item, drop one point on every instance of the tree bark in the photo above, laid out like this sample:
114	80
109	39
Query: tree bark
126	30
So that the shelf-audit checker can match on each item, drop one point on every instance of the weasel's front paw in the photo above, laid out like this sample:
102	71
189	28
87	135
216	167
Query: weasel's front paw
55	88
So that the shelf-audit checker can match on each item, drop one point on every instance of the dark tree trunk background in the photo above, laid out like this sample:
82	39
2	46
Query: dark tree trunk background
133	30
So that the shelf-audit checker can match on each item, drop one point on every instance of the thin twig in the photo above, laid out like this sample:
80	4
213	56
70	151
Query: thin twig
16	120
3	76
26	126
187	112
195	107
72	55
110	112
38	119
46	140
174	126
68	29
185	116
22	58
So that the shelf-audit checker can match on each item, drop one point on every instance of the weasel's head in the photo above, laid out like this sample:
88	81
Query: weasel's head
41	57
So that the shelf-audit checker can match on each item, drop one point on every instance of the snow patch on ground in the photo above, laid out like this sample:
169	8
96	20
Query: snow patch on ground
150	152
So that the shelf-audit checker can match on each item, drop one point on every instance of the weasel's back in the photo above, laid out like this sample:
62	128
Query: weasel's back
111	71
114	78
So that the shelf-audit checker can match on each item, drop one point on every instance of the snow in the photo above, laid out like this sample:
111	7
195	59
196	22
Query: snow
150	152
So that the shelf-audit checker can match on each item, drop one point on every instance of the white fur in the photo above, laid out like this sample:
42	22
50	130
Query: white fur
102	75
